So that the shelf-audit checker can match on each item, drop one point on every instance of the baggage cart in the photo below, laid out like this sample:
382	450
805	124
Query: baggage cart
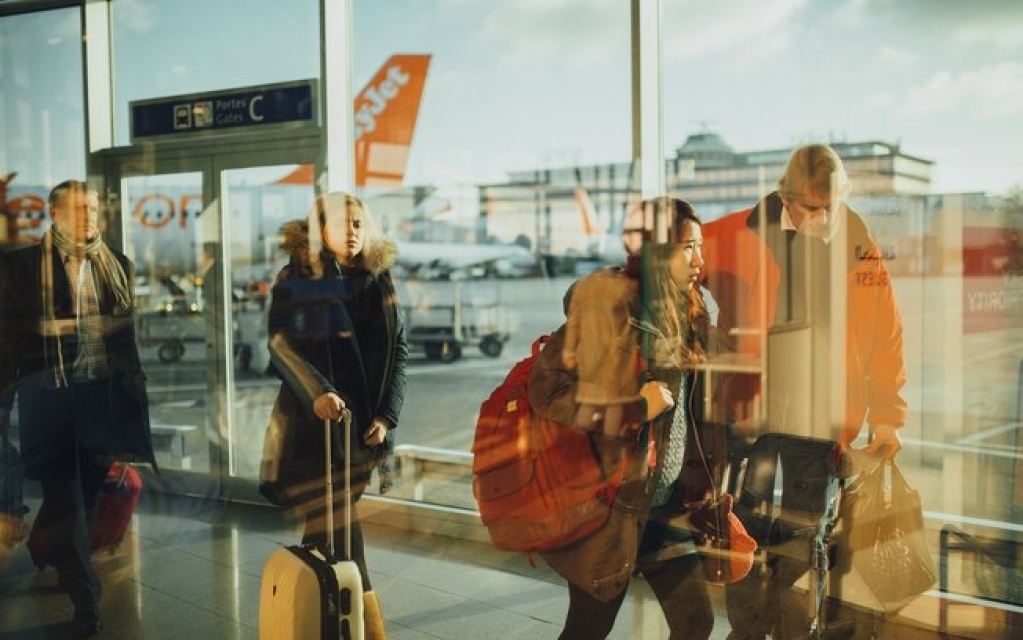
445	318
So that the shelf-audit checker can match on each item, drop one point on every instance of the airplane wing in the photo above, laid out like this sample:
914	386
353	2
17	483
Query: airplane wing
442	258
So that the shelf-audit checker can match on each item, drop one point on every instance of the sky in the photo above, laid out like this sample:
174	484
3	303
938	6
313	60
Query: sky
547	81
523	84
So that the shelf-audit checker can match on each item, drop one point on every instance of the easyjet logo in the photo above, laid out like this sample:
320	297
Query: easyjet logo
152	210
157	210
375	99
28	209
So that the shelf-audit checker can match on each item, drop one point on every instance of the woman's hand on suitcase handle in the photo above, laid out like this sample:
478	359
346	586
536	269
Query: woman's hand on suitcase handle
329	406
376	433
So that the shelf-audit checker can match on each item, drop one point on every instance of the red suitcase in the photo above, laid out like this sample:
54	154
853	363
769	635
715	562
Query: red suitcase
115	505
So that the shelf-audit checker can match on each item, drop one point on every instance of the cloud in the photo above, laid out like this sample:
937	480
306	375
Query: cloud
595	32
896	57
991	91
531	33
883	100
696	28
135	15
980	24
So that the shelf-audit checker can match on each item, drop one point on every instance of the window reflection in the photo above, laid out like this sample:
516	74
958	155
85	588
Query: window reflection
493	218
43	128
928	184
157	50
514	176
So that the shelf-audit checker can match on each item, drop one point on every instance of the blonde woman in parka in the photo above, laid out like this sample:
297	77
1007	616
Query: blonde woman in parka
337	342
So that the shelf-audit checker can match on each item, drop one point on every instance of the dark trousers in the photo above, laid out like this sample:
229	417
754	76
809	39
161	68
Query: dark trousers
680	589
766	605
70	478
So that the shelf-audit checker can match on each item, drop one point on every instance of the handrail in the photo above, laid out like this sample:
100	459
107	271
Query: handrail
413	458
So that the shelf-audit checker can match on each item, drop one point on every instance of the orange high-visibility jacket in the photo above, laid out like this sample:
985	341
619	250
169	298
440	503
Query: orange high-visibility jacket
746	293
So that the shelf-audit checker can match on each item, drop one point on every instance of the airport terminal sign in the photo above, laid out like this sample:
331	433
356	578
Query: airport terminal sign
992	278
281	105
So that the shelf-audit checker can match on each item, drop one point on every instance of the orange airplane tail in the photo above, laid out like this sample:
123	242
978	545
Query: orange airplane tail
385	119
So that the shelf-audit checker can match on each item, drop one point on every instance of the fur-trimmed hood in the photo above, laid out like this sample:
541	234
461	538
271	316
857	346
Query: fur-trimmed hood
377	257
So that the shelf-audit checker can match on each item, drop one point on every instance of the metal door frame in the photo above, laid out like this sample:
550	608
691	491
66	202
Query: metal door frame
211	158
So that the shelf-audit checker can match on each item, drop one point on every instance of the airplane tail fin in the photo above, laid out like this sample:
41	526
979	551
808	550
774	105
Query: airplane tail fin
588	212
303	175
385	119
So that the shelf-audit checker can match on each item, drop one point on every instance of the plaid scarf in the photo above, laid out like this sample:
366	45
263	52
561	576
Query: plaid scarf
110	274
110	277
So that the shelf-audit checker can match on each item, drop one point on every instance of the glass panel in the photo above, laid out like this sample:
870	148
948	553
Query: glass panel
521	123
171	49
257	201
922	134
164	237
42	131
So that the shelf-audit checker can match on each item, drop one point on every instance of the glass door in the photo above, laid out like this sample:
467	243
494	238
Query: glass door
256	202
165	234
201	224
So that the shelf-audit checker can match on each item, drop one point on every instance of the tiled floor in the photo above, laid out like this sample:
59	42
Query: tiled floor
190	568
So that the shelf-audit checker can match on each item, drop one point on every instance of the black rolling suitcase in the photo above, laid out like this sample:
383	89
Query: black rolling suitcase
307	591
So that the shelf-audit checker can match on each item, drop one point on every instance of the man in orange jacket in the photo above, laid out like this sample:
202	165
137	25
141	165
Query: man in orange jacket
757	283
802	259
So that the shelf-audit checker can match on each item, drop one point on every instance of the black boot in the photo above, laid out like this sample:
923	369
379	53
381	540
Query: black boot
86	620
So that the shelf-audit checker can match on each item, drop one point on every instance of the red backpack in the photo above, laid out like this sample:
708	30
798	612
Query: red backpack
537	483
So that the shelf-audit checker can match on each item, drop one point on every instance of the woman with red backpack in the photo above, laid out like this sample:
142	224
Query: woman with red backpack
620	369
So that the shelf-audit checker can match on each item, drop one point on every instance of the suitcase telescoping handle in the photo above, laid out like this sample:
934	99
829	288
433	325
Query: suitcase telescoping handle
346	421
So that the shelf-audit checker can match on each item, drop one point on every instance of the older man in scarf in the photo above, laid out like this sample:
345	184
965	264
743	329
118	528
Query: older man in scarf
68	350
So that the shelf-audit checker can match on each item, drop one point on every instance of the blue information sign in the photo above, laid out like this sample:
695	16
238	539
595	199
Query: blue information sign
292	104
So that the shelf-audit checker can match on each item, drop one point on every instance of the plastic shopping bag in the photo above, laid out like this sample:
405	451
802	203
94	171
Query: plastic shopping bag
887	545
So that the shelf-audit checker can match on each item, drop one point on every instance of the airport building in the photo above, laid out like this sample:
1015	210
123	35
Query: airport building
704	170
500	145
